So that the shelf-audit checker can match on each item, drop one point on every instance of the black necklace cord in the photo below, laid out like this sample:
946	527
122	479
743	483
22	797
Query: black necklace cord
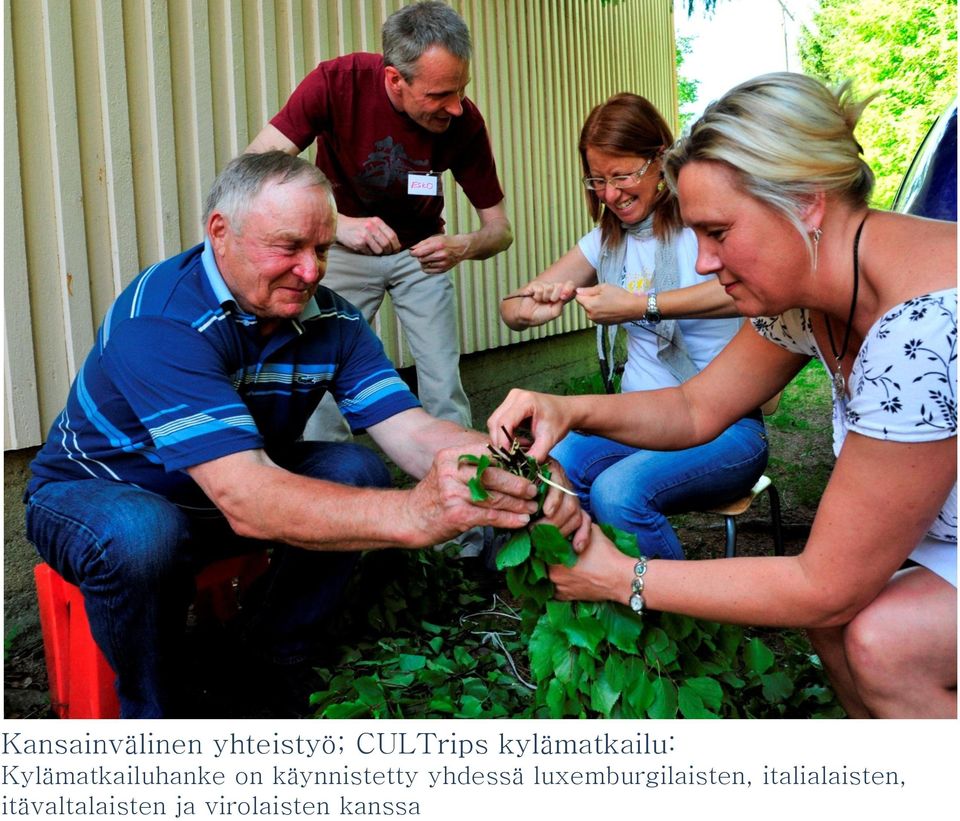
853	302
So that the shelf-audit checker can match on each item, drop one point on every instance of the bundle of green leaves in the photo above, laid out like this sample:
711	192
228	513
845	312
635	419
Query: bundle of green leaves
599	659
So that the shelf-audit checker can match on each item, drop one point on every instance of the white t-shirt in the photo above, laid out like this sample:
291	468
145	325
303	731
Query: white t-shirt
704	338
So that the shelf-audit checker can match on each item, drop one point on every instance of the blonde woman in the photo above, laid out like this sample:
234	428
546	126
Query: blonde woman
772	182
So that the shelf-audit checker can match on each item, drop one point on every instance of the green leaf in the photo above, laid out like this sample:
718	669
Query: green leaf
818	693
659	649
410	663
369	690
730	638
346	709
625	542
589	609
614	671
608	686
546	644
757	656
559	613
731	679
777	687
442	664
638	691
564	670
478	493
517	582
399	680
691	705
585	633
442	704
515	551
538	595
464	659
542	487
690	665
552	546
482	463
587	665
432	677
709	691
476	688
537	568
621	626
555	699
655	640
603	696
470	707
664	704
676	626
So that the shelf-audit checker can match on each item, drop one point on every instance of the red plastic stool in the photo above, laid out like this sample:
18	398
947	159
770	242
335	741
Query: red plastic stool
81	679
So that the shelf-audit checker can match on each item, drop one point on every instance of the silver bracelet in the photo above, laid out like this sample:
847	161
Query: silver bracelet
636	586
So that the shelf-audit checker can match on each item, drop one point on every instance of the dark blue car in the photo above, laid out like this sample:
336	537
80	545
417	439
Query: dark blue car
929	188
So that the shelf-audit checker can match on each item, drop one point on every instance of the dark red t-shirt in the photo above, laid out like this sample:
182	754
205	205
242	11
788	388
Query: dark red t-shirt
367	148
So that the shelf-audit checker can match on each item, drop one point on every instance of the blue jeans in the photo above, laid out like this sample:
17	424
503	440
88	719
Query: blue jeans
134	556
635	490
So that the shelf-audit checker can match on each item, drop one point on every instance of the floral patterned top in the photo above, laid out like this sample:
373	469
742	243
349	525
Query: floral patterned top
903	384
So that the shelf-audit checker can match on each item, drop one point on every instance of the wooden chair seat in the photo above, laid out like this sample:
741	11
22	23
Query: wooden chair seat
736	508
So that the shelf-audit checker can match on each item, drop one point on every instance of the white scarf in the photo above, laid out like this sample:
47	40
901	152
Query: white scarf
671	350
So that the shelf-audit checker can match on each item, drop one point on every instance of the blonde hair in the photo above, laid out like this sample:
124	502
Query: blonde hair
786	137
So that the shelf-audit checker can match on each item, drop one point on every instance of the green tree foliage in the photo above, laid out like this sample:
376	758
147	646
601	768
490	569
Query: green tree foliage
687	89
906	53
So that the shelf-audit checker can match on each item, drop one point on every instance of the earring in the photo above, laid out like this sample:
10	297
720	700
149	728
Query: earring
816	233
660	186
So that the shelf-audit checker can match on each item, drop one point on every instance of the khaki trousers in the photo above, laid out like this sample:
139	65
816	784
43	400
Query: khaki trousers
424	305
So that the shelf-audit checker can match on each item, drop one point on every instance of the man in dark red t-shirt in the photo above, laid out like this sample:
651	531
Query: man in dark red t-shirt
385	128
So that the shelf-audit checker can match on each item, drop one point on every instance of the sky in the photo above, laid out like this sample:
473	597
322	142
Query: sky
741	39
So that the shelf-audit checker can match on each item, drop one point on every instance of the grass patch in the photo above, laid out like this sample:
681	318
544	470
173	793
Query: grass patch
801	443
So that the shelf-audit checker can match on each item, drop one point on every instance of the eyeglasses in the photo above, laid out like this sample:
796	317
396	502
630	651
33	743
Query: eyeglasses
597	184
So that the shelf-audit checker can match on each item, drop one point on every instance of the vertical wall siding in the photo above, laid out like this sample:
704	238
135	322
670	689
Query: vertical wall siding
119	113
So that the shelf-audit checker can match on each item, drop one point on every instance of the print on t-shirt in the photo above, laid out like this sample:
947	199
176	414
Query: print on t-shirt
386	166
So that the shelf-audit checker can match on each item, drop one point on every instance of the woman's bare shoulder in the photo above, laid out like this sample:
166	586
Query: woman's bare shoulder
912	255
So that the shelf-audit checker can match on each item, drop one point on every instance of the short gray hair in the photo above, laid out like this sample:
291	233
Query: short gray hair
247	175
410	31
785	136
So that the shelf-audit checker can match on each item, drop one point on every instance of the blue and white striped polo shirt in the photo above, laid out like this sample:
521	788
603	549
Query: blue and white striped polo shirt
180	375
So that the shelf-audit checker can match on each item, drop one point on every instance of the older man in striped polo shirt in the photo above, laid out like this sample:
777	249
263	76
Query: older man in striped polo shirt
181	439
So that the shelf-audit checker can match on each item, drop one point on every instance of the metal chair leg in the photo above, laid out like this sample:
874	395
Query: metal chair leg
731	523
775	519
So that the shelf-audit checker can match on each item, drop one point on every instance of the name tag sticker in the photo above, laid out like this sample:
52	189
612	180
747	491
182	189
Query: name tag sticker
423	185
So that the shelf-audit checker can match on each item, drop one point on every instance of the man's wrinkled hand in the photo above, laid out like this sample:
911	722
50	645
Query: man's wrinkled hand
367	235
441	252
441	505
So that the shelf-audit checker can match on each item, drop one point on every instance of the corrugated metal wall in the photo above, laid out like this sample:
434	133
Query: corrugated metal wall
119	113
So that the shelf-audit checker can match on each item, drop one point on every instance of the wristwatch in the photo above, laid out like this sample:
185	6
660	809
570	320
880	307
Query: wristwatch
652	314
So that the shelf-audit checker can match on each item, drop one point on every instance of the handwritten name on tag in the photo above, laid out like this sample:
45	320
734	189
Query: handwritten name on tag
423	185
